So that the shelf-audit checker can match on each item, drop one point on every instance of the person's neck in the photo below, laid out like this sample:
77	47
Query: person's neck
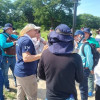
29	35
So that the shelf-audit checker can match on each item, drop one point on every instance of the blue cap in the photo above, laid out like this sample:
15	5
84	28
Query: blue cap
8	25
87	30
79	32
63	29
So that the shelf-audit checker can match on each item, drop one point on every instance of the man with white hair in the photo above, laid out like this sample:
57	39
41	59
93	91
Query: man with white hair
26	65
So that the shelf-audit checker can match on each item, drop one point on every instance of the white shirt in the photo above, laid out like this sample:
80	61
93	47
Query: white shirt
97	73
98	36
38	44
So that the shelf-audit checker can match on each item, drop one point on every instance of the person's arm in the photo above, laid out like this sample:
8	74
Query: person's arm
43	41
14	36
4	44
89	56
26	48
41	72
27	57
79	69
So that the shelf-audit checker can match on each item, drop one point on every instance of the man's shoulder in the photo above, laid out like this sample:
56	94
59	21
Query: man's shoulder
91	39
24	40
86	46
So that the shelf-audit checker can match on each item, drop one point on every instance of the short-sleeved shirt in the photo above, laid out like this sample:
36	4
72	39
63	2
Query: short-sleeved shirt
23	69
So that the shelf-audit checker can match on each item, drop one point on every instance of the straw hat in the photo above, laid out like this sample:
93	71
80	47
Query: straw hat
29	27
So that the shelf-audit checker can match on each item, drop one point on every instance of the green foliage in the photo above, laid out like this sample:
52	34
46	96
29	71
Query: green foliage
53	12
87	20
45	13
94	32
26	8
44	34
10	95
1	30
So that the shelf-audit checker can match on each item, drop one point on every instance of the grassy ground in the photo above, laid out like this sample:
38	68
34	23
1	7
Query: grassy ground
10	95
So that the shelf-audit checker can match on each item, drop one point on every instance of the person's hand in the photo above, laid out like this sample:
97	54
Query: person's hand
38	39
14	42
92	72
45	47
98	49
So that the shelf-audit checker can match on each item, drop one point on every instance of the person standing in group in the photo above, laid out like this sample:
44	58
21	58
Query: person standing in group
87	62
51	29
90	40
59	66
38	42
78	37
9	60
26	64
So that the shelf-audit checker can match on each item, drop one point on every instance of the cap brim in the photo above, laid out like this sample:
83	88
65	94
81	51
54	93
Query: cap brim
38	28
5	28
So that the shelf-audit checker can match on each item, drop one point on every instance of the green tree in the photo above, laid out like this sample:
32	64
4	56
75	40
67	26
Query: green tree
53	12
26	8
87	20
5	8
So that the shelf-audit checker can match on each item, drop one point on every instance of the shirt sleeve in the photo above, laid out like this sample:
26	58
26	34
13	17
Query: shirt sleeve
89	56
42	40
14	36
26	46
3	42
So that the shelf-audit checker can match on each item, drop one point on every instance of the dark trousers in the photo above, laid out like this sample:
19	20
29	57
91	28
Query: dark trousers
83	86
1	81
97	93
1	86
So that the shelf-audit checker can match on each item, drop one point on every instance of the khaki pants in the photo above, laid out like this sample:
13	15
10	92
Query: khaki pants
27	86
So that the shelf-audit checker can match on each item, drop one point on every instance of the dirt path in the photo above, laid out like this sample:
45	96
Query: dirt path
42	89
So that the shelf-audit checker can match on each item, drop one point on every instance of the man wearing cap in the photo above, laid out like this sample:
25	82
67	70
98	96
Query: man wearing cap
78	37
26	65
59	66
8	60
87	62
51	29
91	76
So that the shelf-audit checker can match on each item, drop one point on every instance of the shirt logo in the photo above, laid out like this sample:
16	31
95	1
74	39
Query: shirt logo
27	47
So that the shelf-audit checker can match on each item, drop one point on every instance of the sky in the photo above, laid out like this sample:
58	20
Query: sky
89	7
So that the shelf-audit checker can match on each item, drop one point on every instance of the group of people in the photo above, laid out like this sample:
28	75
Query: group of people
61	62
83	39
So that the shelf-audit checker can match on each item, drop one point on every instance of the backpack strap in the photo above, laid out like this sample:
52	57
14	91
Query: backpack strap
8	36
5	35
83	48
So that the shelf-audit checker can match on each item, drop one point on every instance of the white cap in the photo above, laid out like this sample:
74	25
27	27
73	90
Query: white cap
29	27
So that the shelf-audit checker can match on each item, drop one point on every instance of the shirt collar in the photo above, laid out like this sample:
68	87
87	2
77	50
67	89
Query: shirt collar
28	36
